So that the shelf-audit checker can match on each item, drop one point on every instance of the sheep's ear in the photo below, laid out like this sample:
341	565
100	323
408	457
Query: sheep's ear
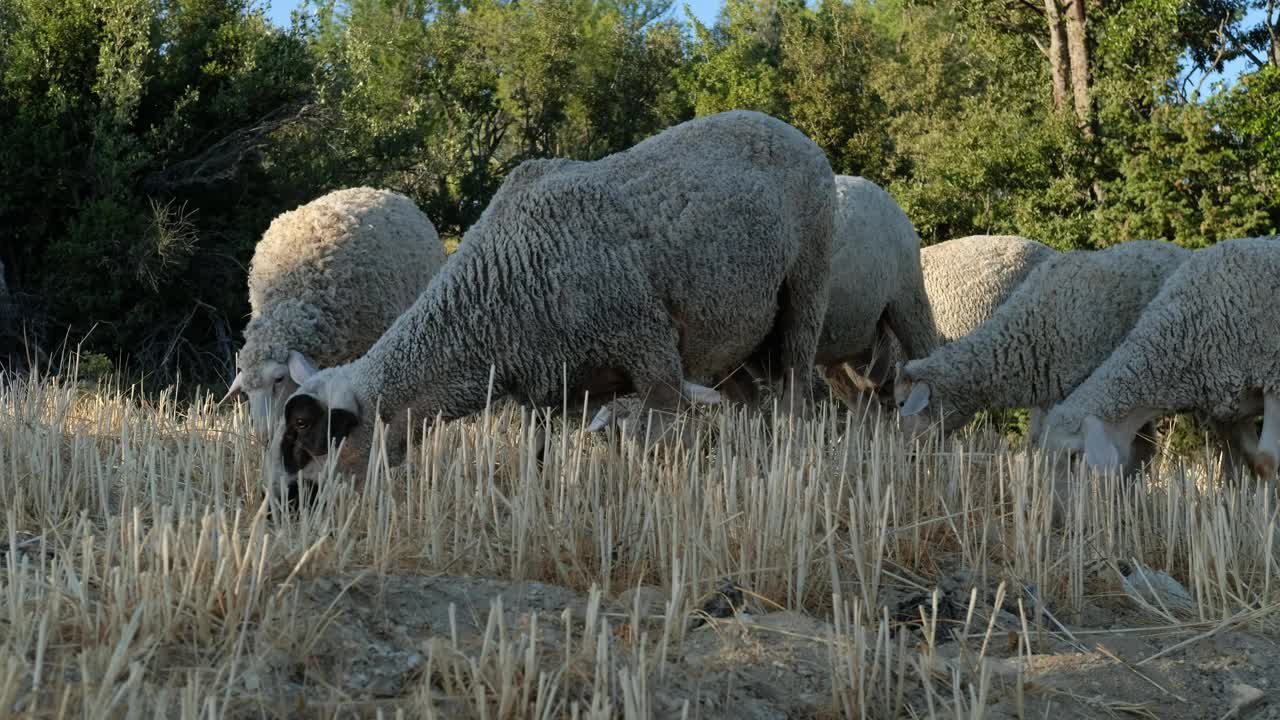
601	419
299	367
236	386
917	401
701	393
1099	450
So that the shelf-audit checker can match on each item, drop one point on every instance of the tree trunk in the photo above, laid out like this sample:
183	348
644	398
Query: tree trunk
1057	53
1078	50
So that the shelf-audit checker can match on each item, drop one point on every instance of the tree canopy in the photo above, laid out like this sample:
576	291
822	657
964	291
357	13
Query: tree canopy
145	145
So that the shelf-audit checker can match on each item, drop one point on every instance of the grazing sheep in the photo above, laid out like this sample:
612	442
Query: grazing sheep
1064	319
877	285
965	279
698	248
326	280
1206	343
876	288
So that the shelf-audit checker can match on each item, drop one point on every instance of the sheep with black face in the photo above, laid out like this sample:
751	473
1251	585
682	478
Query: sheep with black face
326	280
700	247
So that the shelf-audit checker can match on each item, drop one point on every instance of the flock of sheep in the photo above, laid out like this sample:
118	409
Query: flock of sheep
721	252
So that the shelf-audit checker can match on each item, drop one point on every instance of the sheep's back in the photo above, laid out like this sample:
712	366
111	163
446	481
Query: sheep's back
967	278
874	248
700	224
1211	332
356	258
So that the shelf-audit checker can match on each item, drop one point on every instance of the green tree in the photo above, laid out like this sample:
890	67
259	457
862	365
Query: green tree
113	209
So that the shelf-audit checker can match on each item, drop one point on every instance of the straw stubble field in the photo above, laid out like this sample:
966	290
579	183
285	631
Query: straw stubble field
823	570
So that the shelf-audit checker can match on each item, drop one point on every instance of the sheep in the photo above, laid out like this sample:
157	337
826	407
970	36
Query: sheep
876	287
326	279
965	280
700	247
1205	343
1055	329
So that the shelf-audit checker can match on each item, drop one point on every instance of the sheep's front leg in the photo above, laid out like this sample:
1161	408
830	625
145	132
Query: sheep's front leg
804	306
657	375
1238	442
740	386
1035	425
1142	450
597	408
1264	463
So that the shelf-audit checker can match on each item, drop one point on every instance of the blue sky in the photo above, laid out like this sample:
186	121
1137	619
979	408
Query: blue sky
704	10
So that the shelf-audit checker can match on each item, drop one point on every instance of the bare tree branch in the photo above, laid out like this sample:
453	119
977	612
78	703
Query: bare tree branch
1240	46
1217	60
222	162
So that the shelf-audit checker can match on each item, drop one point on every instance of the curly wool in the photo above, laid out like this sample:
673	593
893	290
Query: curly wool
965	279
329	277
1063	320
1206	343
875	276
699	247
877	289
968	278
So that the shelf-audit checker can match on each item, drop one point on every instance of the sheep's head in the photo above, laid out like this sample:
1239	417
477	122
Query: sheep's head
920	405
267	384
325	413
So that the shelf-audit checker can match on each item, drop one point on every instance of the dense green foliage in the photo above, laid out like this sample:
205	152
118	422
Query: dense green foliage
146	144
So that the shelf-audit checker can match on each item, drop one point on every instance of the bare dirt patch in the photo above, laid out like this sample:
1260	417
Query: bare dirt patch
387	642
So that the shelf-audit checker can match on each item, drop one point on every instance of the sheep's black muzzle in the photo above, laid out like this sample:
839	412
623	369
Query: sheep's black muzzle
309	430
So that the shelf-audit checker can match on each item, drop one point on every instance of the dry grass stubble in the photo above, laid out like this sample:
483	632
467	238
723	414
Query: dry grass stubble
856	578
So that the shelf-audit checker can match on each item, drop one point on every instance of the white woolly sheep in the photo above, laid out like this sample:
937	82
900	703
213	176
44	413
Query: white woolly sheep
1055	329
1206	343
877	284
965	279
696	249
876	287
326	280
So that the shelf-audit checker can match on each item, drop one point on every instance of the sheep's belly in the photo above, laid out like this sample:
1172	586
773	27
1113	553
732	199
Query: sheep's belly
717	342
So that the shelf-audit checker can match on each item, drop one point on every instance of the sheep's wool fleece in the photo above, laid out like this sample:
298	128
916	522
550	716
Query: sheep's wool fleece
875	265
1061	323
967	278
1206	341
664	261
330	276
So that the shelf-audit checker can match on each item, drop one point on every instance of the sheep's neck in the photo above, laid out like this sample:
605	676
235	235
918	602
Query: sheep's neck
437	355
